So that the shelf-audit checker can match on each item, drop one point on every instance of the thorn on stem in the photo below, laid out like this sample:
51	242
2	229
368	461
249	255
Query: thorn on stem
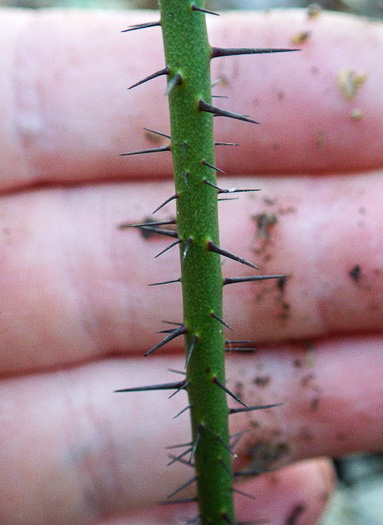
159	73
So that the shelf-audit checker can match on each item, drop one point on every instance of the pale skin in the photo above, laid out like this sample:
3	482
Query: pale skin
76	313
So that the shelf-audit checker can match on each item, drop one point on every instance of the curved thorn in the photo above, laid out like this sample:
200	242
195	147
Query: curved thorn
175	196
141	26
159	73
168	248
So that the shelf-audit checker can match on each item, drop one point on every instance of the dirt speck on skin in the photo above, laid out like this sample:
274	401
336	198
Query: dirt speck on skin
262	381
264	455
300	37
356	114
355	273
295	514
314	10
349	82
265	222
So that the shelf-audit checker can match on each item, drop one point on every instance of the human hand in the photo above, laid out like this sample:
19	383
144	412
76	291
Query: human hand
77	314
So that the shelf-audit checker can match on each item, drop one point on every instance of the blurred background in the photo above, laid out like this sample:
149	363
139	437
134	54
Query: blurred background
359	498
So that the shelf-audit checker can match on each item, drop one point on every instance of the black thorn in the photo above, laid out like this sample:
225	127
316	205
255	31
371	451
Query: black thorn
181	372
227	518
227	447
231	51
249	409
216	249
228	392
173	82
239	341
192	520
160	231
202	10
223	464
166	282
141	26
193	342
214	316
175	196
158	133
254	472
240	349
144	151
159	73
171	447
235	280
226	144
183	387
164	386
176	333
177	501
168	248
199	430
228	190
256	522
183	486
174	459
151	223
219	112
212	166
186	247
219	96
182	411
237	491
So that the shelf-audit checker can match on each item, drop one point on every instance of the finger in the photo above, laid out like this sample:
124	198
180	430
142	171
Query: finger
105	454
297	492
71	115
74	287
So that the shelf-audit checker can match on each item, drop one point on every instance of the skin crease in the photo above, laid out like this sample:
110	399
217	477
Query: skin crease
77	314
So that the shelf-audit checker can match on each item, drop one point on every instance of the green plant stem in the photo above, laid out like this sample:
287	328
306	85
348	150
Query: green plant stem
188	56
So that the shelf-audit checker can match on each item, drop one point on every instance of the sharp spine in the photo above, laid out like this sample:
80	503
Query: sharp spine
174	459
183	486
223	464
152	223
227	447
229	190
246	279
249	409
183	387
168	248
173	82
216	249
144	151
175	196
226	144
203	10
160	231
191	348
175	333
141	26
205	163
159	73
182	411
178	501
164	386
228	392
233	51
219	112
166	282
158	133
215	316
242	493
